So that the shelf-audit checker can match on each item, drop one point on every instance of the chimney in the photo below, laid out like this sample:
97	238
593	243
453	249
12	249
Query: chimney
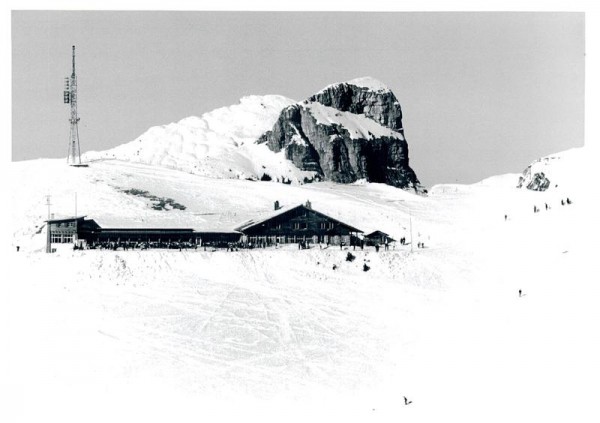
308	205
276	205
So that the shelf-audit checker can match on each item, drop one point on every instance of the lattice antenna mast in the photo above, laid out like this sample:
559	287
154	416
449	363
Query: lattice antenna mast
70	97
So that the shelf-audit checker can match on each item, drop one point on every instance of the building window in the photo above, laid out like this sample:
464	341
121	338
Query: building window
61	239
278	226
297	225
323	225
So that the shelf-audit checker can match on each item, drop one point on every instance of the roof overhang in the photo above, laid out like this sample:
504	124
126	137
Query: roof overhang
65	219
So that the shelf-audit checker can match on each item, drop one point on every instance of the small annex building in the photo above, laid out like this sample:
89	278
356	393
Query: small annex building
301	223
378	238
69	230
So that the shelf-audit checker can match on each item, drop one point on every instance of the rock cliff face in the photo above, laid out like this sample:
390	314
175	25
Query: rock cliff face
346	132
372	100
534	182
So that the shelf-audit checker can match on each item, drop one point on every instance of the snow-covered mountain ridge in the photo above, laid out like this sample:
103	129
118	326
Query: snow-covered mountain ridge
567	168
223	143
219	144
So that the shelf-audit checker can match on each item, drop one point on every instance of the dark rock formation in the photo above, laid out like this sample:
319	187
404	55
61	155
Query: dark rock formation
344	133
534	182
379	105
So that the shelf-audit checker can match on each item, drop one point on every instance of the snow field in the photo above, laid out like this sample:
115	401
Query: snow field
277	333
198	325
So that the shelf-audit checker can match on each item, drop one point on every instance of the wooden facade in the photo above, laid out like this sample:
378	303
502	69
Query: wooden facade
298	224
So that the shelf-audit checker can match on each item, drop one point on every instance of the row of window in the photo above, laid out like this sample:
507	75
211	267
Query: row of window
61	239
304	225
64	225
295	239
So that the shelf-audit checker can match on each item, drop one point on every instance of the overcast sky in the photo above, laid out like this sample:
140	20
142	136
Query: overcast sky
482	93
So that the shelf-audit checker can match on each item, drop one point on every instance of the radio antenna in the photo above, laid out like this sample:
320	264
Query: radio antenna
70	97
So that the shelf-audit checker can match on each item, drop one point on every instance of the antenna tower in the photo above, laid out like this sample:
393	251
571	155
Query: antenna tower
70	97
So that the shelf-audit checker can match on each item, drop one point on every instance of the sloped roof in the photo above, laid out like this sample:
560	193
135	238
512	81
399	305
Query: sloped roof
376	233
265	217
268	216
379	234
65	219
147	230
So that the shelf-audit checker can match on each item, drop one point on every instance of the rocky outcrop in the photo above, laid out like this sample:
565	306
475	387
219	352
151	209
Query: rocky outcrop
534	182
535	177
346	132
374	101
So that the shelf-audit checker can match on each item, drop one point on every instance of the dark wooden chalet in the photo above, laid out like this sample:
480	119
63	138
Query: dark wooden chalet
297	224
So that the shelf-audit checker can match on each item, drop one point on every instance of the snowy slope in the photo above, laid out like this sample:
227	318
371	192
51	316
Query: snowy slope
211	204
565	171
168	335
218	144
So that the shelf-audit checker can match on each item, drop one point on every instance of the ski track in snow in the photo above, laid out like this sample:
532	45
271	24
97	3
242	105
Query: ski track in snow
443	325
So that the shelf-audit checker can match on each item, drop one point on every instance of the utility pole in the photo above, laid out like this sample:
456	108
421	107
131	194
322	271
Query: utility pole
411	232
48	232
